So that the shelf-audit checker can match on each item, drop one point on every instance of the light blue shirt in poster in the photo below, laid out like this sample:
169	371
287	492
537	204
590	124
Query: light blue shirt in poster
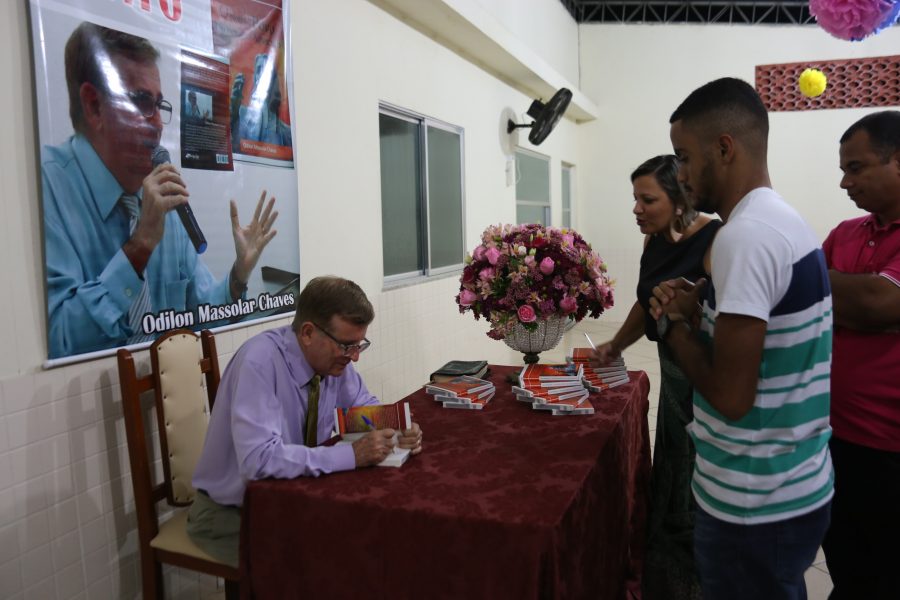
90	282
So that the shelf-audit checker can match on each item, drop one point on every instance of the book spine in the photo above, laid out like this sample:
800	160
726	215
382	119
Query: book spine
406	417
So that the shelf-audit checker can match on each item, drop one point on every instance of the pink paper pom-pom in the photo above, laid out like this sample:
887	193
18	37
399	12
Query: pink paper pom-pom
852	19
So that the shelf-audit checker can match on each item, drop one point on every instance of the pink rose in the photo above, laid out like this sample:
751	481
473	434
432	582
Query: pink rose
486	274
479	253
492	255
568	304
467	298
547	266
527	314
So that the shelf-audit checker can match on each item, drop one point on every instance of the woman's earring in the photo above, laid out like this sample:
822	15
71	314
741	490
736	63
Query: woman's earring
678	211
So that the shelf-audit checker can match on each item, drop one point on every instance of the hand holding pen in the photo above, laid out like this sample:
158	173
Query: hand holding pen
373	447
603	354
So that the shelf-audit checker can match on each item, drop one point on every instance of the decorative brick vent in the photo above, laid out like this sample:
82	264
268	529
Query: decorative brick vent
852	83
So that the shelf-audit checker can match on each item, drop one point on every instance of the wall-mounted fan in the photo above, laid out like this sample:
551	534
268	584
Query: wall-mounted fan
545	116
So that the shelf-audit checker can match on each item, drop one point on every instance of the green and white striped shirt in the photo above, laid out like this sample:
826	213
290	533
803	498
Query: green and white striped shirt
773	463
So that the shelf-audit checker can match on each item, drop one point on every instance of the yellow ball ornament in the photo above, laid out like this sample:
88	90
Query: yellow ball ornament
812	83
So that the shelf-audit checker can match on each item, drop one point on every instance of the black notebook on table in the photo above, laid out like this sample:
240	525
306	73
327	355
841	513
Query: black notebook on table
455	368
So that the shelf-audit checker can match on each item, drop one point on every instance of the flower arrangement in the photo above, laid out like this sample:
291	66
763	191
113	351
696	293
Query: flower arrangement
522	274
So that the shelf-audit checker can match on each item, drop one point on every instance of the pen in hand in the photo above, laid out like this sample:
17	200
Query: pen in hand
589	340
372	427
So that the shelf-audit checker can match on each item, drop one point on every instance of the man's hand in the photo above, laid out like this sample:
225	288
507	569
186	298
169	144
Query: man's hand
678	298
373	447
604	354
163	190
250	241
411	438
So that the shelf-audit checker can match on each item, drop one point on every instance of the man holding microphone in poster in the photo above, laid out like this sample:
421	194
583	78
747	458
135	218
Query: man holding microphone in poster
116	248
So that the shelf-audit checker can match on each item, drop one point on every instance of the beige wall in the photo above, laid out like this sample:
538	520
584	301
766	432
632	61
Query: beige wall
547	28
638	75
66	515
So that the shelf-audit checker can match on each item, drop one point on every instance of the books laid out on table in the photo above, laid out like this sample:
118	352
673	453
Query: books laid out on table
464	392
464	385
551	375
557	389
598	379
456	368
353	423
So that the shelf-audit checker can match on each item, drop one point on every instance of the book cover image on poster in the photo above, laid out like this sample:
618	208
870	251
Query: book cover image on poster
205	117
250	34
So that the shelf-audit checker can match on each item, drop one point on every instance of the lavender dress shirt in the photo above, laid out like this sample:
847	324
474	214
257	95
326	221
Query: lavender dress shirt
256	429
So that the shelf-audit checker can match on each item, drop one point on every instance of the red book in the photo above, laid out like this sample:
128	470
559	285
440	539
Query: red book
548	391
381	416
462	385
536	375
563	403
470	403
606	378
584	355
599	387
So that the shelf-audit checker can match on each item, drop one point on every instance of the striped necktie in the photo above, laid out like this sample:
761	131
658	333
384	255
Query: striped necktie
141	304
312	411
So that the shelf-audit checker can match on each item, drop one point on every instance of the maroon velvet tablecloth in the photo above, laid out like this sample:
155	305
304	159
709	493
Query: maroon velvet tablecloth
506	502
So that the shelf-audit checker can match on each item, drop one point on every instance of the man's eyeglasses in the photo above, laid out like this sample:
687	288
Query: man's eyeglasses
147	104
346	349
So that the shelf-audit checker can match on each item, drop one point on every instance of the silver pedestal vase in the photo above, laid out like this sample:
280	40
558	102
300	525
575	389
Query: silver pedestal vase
545	337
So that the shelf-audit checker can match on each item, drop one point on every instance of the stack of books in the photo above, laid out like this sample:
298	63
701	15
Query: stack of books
599	379
462	392
557	388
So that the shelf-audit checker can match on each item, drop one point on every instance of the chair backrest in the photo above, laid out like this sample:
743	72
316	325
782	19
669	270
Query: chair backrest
181	363
181	409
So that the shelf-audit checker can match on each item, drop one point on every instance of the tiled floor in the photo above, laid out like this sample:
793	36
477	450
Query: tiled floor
642	356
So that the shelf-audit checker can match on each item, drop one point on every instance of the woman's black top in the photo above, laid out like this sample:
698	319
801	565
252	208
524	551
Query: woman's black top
664	260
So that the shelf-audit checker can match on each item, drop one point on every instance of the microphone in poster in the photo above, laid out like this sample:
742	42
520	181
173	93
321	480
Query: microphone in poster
160	156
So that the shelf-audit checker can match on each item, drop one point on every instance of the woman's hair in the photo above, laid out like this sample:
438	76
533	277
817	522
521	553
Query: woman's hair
665	169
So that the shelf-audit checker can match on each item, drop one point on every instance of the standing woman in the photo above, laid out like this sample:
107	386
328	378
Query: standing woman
677	243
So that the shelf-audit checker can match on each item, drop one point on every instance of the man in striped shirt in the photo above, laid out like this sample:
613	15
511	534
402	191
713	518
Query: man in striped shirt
758	354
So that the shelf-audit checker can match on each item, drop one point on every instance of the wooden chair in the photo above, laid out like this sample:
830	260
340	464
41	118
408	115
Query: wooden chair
181	362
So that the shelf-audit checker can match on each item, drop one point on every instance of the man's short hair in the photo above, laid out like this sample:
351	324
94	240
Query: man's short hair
664	169
325	297
726	105
88	51
883	128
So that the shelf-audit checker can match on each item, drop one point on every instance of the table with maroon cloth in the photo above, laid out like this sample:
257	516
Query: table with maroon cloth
505	502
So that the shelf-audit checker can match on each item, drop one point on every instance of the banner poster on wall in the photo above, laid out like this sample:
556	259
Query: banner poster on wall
169	193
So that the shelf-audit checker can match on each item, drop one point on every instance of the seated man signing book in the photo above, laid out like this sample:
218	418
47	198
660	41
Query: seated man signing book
275	404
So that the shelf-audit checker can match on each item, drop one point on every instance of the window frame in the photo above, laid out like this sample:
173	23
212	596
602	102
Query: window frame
570	168
548	207
424	122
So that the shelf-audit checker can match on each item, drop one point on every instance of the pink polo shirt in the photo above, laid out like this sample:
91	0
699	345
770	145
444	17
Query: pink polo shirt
865	369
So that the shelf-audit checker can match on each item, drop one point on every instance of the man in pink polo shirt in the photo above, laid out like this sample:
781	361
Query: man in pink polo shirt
862	547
